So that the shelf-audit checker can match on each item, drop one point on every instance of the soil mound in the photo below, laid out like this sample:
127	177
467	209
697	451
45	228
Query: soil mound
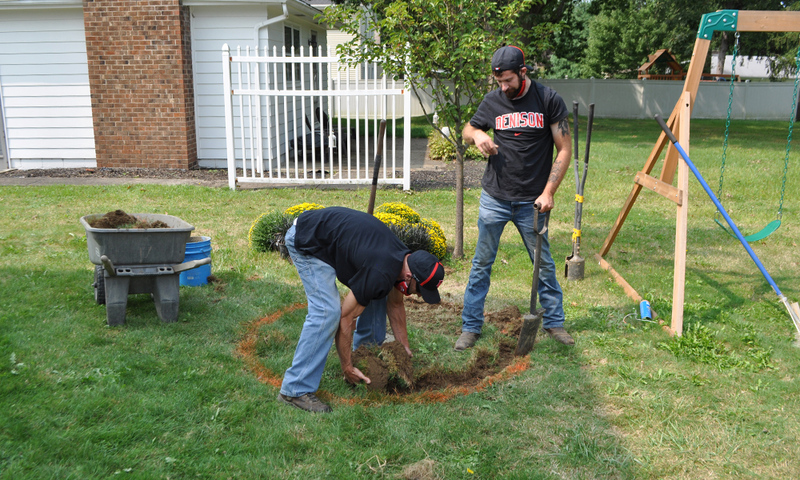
388	367
120	219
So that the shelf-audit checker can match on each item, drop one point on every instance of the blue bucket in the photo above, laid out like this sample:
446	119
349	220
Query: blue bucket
197	248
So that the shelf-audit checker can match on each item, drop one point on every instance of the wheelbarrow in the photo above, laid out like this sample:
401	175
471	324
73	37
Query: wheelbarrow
139	260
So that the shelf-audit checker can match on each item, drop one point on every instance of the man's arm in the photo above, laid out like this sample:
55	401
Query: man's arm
479	138
344	338
563	144
396	311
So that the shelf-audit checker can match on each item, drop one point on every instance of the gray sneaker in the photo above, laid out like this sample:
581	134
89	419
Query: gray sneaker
466	340
308	402
560	335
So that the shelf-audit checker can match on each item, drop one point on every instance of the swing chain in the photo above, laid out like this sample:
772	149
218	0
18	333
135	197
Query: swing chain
728	119
792	115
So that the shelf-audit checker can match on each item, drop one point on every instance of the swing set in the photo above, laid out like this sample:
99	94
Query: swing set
678	125
770	228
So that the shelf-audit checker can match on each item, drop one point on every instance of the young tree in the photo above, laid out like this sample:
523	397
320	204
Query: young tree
443	48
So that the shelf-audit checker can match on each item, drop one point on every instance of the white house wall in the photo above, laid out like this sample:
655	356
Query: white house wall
212	27
44	84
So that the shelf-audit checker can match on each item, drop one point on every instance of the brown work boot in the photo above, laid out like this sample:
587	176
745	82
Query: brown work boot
466	340
308	402
560	335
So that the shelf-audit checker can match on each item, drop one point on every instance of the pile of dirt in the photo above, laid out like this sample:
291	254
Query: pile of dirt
388	367
120	219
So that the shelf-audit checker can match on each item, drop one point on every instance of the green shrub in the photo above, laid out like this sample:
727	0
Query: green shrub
267	232
415	232
441	149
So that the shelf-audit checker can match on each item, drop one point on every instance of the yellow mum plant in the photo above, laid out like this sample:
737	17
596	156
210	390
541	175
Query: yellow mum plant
298	209
399	209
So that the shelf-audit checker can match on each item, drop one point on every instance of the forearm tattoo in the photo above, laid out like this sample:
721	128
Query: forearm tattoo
556	172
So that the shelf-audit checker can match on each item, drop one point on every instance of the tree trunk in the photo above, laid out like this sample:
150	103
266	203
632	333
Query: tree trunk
721	53
458	246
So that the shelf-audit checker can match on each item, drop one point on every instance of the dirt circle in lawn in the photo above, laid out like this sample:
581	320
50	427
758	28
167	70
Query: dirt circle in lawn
435	374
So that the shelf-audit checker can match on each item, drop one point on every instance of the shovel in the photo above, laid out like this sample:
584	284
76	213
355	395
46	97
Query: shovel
376	168
532	322
575	263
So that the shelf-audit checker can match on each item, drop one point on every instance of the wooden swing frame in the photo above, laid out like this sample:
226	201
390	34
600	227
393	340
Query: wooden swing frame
679	123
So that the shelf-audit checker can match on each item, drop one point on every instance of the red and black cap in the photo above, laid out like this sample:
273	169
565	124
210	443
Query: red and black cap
428	273
509	57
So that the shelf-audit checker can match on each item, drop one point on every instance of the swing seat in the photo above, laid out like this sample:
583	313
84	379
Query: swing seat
760	235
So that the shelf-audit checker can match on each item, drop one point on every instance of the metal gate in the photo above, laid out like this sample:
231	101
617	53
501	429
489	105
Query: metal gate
299	118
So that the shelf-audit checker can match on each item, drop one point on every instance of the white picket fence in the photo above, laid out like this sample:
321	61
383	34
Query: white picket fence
296	117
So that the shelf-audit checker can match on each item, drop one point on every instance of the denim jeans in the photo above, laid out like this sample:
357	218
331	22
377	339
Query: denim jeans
322	321
371	324
492	218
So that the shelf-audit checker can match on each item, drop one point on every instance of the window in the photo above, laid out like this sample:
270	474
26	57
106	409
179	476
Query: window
291	38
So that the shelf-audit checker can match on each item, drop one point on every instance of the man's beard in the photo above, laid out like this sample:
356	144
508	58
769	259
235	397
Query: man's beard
511	94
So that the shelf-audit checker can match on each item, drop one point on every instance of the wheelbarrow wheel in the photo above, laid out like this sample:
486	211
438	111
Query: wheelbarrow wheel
99	285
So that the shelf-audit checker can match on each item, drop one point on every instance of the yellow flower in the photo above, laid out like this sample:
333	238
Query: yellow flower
298	209
391	219
401	209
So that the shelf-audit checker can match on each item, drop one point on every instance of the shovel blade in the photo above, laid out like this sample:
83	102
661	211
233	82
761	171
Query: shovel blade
574	268
531	323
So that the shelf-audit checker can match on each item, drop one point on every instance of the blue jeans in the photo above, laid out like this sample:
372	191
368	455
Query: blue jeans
492	218
322	321
371	324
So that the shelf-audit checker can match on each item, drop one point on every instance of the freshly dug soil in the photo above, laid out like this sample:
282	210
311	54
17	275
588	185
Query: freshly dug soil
390	369
120	219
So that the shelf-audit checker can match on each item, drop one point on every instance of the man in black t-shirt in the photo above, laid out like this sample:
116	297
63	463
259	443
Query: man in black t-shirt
528	120
361	252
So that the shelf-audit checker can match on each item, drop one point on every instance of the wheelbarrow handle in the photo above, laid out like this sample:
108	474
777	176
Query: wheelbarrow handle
108	265
191	264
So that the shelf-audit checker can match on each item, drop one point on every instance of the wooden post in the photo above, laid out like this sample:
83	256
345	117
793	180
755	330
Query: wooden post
681	227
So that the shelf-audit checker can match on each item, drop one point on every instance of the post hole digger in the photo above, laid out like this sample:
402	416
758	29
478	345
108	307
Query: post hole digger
575	263
532	322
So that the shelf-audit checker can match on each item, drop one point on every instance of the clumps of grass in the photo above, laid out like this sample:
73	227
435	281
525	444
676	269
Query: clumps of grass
699	343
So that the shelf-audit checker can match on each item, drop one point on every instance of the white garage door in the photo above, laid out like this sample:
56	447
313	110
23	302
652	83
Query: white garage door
44	89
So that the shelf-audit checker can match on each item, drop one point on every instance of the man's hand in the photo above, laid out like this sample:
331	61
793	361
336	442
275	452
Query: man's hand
480	139
344	338
354	375
546	202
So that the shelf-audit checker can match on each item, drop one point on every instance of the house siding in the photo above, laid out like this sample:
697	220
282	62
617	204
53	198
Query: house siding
44	85
213	27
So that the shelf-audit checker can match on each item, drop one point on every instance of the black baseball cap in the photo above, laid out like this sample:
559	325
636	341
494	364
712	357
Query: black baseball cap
428	273
509	57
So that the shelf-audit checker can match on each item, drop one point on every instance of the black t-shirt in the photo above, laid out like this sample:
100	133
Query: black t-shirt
366	255
521	127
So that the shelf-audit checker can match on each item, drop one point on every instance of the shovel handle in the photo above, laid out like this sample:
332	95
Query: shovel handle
376	168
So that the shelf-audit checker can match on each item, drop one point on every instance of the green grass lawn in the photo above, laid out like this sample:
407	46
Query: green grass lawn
149	400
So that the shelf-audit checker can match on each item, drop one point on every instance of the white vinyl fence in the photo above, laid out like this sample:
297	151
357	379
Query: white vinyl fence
644	98
289	121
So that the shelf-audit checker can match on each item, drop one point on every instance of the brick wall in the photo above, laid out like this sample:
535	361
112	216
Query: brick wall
140	74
